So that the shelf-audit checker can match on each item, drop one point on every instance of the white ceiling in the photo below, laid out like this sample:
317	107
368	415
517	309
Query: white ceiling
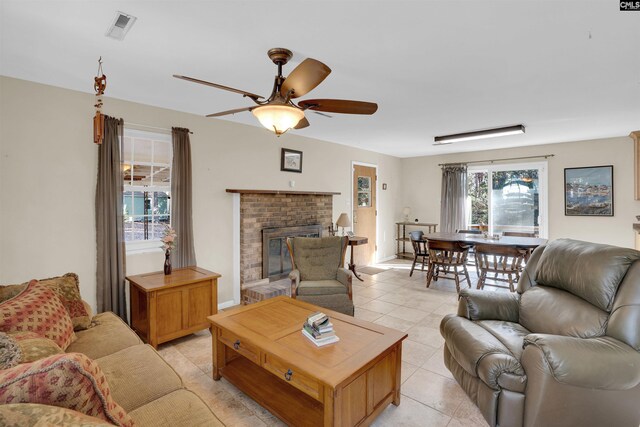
567	70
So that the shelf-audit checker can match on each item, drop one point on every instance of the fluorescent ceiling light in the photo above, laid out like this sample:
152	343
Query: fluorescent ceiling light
479	134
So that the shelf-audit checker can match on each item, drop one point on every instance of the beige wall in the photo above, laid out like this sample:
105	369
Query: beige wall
48	177
422	179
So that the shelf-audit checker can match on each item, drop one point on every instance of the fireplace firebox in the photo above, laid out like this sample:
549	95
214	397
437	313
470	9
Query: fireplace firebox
276	261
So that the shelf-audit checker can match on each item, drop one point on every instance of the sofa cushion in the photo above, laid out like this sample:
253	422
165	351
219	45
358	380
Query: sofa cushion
553	311
38	309
138	375
479	352
321	287
36	415
109	335
180	408
590	271
24	347
69	380
317	258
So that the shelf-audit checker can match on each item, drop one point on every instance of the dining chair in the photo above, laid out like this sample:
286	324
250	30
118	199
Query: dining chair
504	262
419	250
471	259
448	258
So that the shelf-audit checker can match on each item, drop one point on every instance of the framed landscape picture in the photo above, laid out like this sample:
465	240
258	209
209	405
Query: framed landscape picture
291	160
588	191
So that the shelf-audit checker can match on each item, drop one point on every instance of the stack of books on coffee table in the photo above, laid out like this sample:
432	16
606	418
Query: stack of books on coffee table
319	329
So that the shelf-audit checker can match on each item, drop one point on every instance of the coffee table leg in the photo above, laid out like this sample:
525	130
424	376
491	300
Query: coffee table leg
218	356
398	363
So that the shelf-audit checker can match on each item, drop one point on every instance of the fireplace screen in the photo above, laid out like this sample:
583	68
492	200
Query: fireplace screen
276	261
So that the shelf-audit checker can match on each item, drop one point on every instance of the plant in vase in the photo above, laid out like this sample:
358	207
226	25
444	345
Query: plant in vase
169	241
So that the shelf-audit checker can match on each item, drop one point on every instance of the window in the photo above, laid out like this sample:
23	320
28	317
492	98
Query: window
364	191
146	170
510	197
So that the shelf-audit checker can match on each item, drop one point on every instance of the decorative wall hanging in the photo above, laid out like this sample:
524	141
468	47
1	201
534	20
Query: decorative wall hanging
100	84
291	160
588	191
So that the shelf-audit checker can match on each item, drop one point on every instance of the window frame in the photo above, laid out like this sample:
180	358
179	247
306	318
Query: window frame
133	246
543	191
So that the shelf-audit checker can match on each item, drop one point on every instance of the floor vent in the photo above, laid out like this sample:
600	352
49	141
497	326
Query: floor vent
120	26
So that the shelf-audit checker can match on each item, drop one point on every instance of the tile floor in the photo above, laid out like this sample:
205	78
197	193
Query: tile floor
430	395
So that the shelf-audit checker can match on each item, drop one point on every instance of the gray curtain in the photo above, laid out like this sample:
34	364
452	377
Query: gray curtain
181	219
110	281
453	198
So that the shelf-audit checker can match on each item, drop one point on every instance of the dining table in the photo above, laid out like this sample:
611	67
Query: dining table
471	239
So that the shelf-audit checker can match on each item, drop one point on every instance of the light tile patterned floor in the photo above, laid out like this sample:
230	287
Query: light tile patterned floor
430	395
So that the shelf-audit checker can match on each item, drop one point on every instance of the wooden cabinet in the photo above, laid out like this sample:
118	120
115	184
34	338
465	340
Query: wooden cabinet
165	307
403	242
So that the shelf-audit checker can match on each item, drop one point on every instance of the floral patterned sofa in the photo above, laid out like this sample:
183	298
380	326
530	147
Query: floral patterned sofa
61	366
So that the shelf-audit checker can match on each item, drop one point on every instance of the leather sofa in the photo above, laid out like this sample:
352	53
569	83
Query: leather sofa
562	351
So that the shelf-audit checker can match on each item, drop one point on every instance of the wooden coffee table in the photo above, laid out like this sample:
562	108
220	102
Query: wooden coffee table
260	349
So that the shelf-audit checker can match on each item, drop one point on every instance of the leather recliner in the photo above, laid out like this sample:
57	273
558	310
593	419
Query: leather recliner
562	351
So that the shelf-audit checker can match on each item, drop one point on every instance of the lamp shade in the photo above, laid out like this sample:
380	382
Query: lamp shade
343	220
278	118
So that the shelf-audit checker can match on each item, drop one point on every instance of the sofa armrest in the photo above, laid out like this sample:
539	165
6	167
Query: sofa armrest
602	363
294	275
481	305
345	277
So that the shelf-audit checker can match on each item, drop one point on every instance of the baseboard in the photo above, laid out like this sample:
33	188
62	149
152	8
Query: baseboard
226	304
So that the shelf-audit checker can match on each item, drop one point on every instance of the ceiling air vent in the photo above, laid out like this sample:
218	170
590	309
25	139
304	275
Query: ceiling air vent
120	26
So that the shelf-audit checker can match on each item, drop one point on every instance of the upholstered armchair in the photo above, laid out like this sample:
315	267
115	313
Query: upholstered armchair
318	275
562	351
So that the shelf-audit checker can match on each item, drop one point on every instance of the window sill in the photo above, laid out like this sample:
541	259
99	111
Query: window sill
141	251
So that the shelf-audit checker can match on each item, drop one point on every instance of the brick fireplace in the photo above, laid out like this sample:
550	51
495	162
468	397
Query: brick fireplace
260	210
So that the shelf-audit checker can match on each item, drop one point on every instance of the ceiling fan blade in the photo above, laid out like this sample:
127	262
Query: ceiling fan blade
306	76
224	113
343	106
230	89
303	123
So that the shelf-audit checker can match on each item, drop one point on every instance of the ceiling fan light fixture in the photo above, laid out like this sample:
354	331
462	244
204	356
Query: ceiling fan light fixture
278	118
479	134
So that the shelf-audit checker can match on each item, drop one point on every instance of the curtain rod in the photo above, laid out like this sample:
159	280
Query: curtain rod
150	127
546	156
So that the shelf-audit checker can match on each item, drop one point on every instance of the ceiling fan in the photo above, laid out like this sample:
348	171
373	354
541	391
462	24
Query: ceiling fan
279	113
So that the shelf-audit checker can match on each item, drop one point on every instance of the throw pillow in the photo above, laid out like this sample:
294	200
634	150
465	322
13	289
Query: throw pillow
68	289
32	414
38	309
24	347
69	380
10	291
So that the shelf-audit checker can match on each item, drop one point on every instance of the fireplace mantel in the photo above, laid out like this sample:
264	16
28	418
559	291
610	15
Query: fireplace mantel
303	193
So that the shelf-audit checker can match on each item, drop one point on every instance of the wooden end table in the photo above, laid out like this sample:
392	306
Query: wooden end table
356	241
166	307
261	350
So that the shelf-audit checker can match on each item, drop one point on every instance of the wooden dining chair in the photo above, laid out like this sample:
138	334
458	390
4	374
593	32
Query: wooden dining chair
419	250
448	259
471	259
504	262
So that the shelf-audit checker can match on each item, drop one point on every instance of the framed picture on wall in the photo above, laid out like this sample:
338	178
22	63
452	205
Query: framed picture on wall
291	160
588	191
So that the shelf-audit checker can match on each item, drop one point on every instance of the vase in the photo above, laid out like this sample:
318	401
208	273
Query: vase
167	261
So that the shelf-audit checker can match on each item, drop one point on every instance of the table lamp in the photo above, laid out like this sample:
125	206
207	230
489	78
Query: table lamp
343	221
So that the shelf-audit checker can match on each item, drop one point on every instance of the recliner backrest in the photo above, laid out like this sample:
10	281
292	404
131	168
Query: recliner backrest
317	258
573	288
